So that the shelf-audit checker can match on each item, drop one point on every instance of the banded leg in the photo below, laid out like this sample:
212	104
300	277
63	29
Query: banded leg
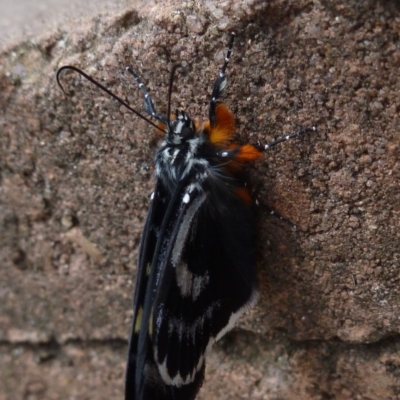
267	146
285	138
220	83
273	213
149	105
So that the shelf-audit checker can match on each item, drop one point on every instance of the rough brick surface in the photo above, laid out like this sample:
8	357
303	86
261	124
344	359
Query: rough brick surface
76	178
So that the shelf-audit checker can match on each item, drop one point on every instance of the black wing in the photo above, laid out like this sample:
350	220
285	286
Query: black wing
142	379
202	277
209	281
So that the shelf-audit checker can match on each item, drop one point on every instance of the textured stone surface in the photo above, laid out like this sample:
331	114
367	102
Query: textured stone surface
24	19
76	178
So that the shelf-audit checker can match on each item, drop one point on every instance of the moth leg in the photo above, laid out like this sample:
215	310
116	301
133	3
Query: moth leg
149	105
265	208
267	146
220	83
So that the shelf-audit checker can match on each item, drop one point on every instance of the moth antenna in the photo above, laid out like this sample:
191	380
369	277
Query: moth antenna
171	82
148	101
104	89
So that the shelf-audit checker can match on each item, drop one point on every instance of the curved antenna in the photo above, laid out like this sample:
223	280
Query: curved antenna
171	82
104	89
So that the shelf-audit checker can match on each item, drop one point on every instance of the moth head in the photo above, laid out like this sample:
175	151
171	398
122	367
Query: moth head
182	128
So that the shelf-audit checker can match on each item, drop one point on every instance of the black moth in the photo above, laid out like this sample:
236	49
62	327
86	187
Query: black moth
196	273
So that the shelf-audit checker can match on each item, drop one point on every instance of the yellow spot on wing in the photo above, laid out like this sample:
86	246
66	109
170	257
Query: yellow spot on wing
151	324
138	321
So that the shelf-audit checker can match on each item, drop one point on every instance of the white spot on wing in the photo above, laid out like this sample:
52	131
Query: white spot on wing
184	279
199	284
181	237
236	315
189	283
186	198
179	326
189	331
178	380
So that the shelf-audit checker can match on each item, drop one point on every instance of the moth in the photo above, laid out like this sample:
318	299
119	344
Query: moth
197	260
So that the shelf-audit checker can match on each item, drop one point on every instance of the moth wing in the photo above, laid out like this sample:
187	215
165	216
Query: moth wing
143	380
210	280
147	245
